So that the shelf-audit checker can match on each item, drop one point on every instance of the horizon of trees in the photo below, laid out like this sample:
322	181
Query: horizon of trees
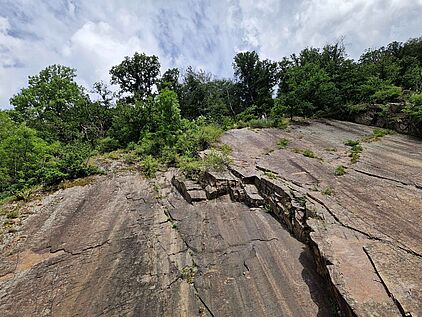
56	124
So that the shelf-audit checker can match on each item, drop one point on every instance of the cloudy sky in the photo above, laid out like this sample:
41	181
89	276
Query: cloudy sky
93	35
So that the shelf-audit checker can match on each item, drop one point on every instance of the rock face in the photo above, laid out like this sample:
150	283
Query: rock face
364	227
276	234
123	246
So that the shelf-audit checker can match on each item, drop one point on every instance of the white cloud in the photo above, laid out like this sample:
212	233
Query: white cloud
94	35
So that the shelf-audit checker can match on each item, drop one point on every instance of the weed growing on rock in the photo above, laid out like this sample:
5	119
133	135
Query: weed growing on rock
327	191
308	153
351	142
376	134
282	143
340	170
356	149
270	175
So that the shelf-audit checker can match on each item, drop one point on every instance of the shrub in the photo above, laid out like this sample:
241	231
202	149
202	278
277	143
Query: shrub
149	166
387	93
355	150
216	160
414	108
378	132
270	175
191	167
107	144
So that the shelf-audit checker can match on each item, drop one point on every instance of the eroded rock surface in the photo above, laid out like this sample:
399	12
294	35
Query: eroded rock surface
276	234
123	246
364	227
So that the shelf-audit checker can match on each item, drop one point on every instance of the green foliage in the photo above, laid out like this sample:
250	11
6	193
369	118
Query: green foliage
136	75
149	166
107	144
356	149
216	160
270	175
282	143
328	191
387	93
340	170
256	80
414	108
378	132
51	104
308	153
27	160
191	167
351	142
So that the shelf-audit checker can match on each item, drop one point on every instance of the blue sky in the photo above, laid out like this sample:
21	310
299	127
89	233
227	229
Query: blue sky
93	35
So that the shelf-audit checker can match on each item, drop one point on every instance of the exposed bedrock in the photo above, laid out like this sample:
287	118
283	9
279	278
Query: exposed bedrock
363	228
276	234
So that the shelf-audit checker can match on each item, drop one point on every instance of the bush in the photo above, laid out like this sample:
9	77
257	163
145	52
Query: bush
414	109
149	166
191	167
387	93
327	191
107	144
216	160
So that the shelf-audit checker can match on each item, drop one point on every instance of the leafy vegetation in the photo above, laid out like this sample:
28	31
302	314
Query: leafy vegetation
340	170
282	143
155	119
308	153
328	191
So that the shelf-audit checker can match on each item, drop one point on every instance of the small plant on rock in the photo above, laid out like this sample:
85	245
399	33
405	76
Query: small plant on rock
308	153
327	191
340	170
282	143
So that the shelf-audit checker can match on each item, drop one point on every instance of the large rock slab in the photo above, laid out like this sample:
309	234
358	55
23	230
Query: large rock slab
359	224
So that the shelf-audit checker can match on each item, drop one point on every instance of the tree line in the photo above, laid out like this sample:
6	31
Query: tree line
56	125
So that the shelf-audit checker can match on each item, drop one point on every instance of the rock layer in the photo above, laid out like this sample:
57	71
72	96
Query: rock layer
276	234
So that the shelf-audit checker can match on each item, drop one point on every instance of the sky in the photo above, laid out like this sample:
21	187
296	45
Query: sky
94	35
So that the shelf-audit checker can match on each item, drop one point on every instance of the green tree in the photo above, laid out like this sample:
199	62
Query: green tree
170	81
48	102
136	75
256	80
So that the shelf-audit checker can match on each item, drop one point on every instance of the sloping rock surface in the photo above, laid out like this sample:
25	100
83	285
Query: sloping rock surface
124	246
365	226
276	234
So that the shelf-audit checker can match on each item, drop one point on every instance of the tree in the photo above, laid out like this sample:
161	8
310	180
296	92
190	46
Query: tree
193	93
48	102
308	91
136	75
256	80
170	80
